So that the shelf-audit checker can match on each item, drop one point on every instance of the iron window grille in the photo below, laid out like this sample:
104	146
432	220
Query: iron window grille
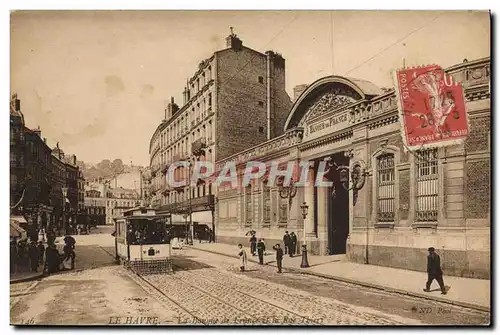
385	188
427	186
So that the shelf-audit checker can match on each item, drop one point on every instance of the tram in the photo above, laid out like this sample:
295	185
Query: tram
142	241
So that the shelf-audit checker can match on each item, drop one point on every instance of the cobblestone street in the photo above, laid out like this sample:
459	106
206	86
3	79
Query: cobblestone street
209	289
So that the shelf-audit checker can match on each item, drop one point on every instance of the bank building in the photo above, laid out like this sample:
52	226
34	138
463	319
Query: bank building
386	205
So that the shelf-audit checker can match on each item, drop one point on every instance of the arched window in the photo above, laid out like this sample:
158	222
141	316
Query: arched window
385	188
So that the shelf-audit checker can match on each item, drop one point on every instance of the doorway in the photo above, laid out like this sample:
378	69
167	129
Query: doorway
338	209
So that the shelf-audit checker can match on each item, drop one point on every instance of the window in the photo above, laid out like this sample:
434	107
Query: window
248	205
209	99
261	103
266	190
261	80
283	210
427	186
385	188
261	130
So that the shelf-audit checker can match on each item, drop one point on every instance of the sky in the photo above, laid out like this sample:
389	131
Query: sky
97	82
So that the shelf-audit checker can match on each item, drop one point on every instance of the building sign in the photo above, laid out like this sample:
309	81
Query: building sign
333	123
431	107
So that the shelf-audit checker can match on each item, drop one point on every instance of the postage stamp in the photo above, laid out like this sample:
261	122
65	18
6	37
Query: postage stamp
431	107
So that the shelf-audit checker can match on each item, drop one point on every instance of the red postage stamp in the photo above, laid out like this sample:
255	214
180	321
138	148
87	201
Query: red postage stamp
431	107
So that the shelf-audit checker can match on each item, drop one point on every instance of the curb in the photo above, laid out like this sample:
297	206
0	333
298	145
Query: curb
364	284
27	279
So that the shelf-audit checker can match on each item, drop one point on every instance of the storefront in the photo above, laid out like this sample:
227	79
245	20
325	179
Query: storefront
386	204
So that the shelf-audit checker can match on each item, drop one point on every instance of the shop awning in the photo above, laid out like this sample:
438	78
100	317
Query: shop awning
202	217
18	219
17	231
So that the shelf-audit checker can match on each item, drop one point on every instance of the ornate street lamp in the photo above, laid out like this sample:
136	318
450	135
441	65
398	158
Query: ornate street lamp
286	192
305	263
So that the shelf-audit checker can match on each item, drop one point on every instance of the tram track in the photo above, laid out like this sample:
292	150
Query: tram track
182	313
250	299
237	300
286	314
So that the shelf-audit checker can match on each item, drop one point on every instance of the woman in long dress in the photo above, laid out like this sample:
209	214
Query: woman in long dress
243	258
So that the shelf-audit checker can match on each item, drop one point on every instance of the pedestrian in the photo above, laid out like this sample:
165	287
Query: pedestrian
293	243
286	241
34	256
279	256
41	251
434	271
243	257
52	259
13	256
253	244
261	248
69	254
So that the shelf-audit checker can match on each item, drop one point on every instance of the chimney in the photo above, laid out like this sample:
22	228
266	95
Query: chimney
74	159
38	131
45	140
233	42
172	108
17	104
297	91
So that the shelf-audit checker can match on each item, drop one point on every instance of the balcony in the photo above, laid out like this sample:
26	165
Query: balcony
198	146
166	189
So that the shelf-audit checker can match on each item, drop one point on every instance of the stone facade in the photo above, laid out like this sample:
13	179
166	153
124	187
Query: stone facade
410	200
236	99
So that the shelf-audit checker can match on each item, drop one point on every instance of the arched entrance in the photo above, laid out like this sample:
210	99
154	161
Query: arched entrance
337	215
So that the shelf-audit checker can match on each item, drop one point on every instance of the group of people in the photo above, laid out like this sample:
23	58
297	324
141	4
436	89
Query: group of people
290	242
434	270
258	246
35	254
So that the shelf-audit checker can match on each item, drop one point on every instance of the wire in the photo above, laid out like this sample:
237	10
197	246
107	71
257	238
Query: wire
331	40
393	44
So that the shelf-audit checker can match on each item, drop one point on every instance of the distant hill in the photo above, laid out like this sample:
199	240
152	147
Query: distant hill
104	169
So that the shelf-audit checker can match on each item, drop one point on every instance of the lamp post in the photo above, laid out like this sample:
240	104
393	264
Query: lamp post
305	263
65	194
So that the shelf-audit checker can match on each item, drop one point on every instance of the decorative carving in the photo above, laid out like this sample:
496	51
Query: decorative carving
335	98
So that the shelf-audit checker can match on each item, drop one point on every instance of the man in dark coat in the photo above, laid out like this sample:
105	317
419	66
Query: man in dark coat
279	256
286	241
253	244
41	251
434	271
52	259
261	248
293	243
34	256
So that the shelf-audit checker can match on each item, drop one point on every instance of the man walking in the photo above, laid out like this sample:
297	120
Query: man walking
279	256
253	244
434	271
261	247
286	241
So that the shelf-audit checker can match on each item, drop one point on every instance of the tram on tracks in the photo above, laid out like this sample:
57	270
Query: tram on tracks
142	241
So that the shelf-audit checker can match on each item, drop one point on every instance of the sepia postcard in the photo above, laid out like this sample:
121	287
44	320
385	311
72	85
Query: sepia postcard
250	168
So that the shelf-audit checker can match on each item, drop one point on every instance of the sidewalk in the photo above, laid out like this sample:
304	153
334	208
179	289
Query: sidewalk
466	292
25	274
